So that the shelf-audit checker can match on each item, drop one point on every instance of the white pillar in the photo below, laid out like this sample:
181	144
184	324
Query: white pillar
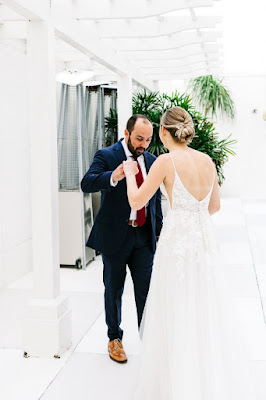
47	323
124	102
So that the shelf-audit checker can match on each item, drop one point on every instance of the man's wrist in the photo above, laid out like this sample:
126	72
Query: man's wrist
112	182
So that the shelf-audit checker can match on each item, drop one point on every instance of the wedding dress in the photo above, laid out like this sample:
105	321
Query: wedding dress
190	346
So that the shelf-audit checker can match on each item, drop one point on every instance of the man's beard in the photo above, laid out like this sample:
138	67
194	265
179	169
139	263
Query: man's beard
135	153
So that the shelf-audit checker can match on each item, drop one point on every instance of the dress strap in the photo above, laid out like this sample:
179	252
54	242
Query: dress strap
173	161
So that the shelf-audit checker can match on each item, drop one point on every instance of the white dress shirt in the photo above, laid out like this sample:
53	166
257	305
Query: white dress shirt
141	161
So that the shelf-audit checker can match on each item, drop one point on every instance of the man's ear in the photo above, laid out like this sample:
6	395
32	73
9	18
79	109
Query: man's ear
126	134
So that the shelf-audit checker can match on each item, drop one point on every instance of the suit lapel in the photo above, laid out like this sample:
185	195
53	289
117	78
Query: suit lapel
147	162
119	152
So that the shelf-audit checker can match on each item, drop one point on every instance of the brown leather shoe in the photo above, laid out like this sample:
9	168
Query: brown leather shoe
116	351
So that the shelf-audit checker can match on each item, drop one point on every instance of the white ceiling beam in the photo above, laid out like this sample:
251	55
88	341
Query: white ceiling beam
161	44
29	9
71	57
81	38
13	30
166	76
183	52
171	57
64	54
164	62
19	45
7	14
18	29
87	43
181	69
184	76
76	60
140	28
106	9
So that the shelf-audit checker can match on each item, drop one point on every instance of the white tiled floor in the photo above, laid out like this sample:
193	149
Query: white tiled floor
85	371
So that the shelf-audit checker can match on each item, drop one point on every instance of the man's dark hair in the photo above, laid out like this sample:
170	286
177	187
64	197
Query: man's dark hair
132	120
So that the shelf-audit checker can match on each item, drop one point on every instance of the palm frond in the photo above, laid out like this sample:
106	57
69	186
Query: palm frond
212	96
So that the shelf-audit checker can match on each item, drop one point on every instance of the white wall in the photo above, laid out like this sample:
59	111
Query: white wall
245	173
15	203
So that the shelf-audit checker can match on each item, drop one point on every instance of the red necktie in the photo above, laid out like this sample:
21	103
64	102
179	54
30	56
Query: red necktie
141	217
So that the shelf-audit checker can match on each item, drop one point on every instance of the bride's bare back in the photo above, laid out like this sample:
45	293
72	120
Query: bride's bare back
195	170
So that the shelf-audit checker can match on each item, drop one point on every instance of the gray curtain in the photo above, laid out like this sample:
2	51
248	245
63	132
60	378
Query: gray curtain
94	104
113	99
72	137
81	130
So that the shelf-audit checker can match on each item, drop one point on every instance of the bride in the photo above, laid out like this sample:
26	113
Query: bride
190	349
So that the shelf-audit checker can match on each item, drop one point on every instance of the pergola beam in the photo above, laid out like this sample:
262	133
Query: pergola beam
91	46
162	44
83	39
183	52
151	28
17	45
184	76
6	14
13	30
180	69
29	9
108	9
178	62
133	47
75	56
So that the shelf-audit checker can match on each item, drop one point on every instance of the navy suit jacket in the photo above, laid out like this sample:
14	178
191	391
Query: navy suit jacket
111	223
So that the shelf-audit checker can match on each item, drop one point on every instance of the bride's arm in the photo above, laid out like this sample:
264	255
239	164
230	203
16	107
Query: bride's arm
214	204
138	197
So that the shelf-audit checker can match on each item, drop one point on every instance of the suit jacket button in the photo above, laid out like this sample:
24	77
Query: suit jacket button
127	221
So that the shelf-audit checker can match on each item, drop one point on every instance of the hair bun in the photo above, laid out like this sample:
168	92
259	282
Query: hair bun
179	123
181	132
179	129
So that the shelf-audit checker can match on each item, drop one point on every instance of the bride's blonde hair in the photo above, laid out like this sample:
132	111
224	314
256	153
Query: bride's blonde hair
179	123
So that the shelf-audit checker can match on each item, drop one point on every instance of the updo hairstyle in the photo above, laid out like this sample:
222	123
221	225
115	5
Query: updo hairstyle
179	123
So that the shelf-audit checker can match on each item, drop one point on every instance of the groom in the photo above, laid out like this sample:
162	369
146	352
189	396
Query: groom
122	235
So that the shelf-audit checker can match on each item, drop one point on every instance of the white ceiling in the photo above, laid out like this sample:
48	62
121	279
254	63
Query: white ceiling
153	40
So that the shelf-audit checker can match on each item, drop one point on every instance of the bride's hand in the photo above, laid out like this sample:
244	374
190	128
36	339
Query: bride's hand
130	167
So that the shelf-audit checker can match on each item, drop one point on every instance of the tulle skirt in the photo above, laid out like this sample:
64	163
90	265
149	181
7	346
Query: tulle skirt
191	339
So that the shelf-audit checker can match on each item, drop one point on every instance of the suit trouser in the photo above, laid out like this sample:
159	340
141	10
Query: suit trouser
136	252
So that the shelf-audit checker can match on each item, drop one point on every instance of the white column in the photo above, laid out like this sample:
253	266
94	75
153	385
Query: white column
124	102
47	324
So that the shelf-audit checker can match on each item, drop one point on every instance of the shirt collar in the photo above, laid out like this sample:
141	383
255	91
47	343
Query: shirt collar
127	152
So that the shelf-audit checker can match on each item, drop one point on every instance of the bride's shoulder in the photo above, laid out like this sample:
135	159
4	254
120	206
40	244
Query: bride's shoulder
164	156
163	159
203	156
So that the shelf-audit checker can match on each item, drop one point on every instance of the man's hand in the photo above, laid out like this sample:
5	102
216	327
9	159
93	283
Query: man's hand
118	174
